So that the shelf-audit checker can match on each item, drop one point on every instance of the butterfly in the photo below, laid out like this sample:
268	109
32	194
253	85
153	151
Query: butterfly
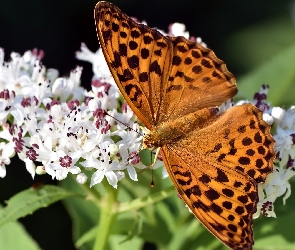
174	86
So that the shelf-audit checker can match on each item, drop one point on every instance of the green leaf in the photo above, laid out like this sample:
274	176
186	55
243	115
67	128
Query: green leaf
12	231
89	236
28	201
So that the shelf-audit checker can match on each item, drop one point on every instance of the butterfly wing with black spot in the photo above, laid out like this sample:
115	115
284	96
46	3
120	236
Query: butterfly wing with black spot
218	181
197	79
160	77
139	58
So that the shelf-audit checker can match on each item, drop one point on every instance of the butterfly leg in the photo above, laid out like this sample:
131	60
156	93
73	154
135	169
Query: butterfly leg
155	159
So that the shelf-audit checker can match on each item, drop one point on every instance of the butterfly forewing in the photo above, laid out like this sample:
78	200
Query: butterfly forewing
197	79
160	77
139	58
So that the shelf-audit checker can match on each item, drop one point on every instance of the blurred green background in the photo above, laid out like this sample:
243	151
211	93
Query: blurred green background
256	39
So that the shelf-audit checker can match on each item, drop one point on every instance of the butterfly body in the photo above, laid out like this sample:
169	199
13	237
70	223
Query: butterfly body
171	131
173	85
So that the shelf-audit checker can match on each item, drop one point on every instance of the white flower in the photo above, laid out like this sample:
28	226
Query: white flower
66	164
6	152
99	66
125	118
126	160
288	121
131	138
105	168
199	40
30	166
120	175
66	88
284	145
276	185
106	93
226	105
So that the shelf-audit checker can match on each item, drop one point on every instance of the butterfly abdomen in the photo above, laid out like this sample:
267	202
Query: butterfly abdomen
171	131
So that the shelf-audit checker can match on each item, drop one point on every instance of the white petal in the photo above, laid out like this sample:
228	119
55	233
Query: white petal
112	178
49	168
288	193
61	174
8	151
132	173
2	171
58	86
96	178
89	145
30	166
256	214
75	170
91	163
18	116
94	104
120	175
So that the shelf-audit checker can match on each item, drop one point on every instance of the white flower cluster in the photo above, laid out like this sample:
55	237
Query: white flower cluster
57	127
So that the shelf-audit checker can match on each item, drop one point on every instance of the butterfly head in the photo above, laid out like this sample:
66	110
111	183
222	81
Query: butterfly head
148	142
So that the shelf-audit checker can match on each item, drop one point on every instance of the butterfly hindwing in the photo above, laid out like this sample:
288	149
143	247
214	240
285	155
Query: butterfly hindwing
211	201
239	139
216	170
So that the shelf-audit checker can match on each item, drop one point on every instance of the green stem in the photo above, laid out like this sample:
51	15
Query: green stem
95	196
108	214
149	199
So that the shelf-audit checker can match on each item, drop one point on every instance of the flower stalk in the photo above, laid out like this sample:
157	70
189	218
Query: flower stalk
108	214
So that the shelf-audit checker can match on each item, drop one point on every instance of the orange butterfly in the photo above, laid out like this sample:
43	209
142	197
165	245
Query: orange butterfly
173	85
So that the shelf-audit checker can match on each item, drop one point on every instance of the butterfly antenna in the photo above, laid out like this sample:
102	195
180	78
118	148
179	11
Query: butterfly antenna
136	131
